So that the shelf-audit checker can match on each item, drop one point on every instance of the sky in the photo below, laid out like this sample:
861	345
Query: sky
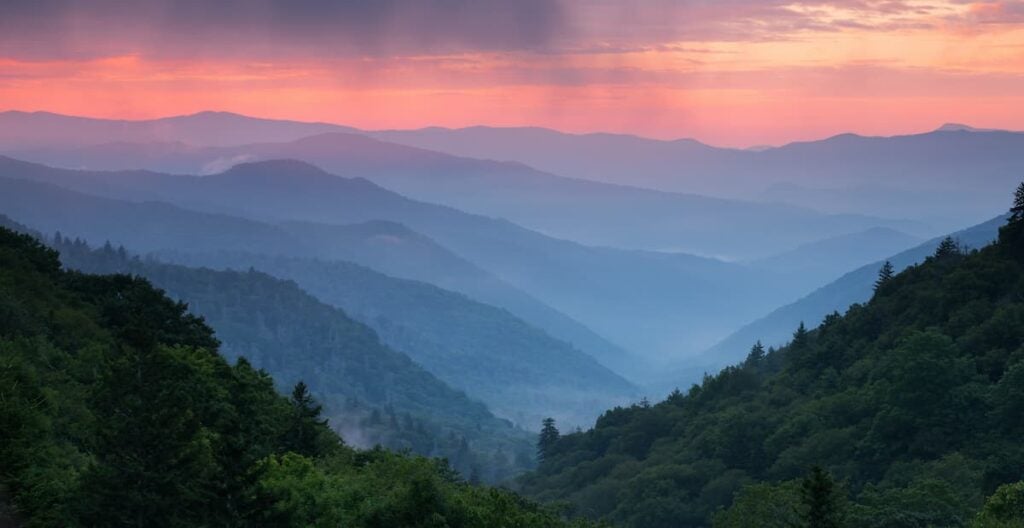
727	72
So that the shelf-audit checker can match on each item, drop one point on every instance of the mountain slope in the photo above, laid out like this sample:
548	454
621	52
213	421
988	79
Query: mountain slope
286	332
912	401
521	390
582	210
823	261
31	130
657	304
914	176
388	247
520	372
117	410
854	287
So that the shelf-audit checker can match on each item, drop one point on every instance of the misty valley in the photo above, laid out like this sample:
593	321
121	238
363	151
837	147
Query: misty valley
222	320
512	264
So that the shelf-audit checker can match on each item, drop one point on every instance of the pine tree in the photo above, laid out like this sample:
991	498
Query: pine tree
823	504
756	354
305	432
799	337
1011	235
884	275
548	438
1017	211
947	248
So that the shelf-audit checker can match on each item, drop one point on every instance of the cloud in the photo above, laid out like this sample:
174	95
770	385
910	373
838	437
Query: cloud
1001	12
271	28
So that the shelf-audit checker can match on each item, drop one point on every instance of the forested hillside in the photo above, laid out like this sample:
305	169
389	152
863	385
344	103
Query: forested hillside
520	372
371	393
912	402
117	410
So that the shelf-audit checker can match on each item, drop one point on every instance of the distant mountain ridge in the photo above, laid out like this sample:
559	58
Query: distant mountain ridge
854	287
653	303
909	176
34	129
582	210
285	331
385	246
521	390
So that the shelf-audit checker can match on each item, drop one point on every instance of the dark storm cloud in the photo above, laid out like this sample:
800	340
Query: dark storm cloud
61	28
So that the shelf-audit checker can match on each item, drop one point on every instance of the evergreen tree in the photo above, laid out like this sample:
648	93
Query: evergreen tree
304	434
756	354
1017	211
822	501
800	338
884	275
548	437
1012	234
947	248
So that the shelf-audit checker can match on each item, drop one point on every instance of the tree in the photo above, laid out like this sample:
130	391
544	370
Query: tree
947	248
1011	235
1004	509
756	354
884	275
548	438
1017	211
822	501
304	434
763	505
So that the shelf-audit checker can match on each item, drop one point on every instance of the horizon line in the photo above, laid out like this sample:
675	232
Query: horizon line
945	126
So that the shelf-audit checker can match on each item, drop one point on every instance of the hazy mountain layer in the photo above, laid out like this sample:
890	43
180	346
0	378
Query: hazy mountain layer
372	394
520	372
385	246
854	287
577	209
533	364
921	176
656	304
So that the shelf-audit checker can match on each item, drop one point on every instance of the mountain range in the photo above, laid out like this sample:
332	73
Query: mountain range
576	209
855	287
522	393
654	304
949	177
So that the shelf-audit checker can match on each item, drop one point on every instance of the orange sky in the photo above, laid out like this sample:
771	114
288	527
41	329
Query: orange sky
728	72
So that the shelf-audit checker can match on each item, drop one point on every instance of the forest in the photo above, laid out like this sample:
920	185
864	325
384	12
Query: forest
906	412
116	409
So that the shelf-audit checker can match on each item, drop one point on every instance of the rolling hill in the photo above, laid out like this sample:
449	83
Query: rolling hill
385	246
654	304
534	362
576	209
917	176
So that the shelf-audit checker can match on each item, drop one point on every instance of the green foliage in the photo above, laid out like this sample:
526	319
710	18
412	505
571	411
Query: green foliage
912	401
884	275
305	434
117	410
1004	509
823	502
776	505
373	393
1017	209
547	438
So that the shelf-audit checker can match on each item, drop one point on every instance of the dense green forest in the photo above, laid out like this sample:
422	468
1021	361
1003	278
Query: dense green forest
116	409
913	405
372	394
520	372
